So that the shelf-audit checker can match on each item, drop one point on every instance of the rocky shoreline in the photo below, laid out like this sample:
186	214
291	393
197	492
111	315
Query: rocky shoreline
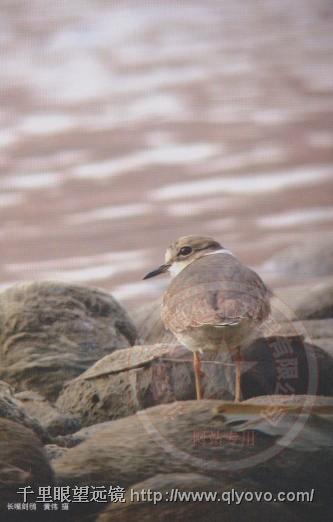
90	397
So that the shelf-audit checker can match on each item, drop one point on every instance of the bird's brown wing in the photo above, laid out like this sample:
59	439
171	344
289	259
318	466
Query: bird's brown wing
214	290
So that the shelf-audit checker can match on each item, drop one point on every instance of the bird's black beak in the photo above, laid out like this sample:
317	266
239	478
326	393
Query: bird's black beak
160	270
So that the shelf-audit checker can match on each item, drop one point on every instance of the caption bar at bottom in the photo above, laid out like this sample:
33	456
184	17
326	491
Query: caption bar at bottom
56	498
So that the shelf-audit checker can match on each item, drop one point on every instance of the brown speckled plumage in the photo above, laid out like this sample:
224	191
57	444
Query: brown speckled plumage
215	291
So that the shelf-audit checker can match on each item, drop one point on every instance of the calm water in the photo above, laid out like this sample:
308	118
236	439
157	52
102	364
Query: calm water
124	125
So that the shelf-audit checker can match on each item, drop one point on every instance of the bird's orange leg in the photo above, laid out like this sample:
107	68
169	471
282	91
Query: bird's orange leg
238	363
197	373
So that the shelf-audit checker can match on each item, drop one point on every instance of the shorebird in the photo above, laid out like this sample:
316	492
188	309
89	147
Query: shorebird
213	303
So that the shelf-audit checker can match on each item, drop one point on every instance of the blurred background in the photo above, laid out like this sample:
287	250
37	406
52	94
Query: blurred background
124	125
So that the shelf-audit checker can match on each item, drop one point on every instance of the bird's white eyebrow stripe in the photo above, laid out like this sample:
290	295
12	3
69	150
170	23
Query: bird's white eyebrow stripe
221	251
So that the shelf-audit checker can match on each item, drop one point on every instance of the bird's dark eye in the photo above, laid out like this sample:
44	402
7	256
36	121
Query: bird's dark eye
185	251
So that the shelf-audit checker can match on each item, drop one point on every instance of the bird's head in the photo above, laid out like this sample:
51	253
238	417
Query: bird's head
183	252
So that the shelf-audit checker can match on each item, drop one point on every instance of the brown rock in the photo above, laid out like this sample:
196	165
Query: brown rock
22	463
311	301
313	330
51	332
287	365
195	437
130	380
149	325
53	421
12	409
163	439
161	486
326	344
69	441
53	451
310	259
318	332
318	304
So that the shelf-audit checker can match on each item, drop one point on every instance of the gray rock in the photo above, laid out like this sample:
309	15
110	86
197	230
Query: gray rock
177	438
22	462
83	434
53	451
51	332
326	344
291	400
130	380
136	378
12	409
191	511
312	329
161	439
302	260
149	325
302	302
318	304
287	365
53	421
